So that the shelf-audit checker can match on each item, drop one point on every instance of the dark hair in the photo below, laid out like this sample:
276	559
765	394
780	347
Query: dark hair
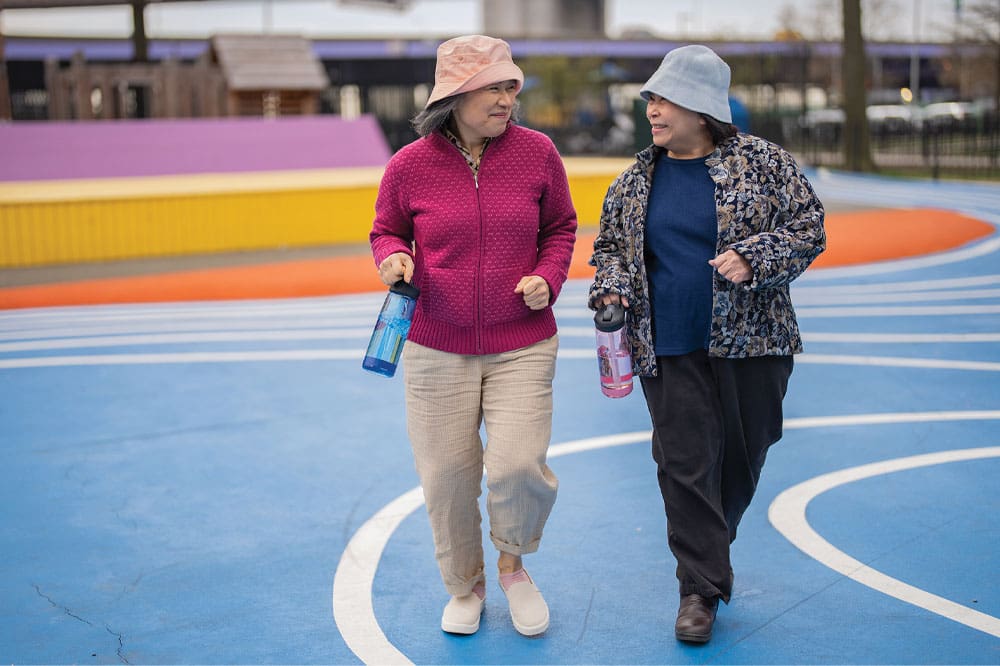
719	130
435	117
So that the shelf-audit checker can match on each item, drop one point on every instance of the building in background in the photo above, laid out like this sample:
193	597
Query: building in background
581	86
544	19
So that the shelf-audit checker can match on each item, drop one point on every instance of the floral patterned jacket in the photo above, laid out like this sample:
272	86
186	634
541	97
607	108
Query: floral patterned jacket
767	212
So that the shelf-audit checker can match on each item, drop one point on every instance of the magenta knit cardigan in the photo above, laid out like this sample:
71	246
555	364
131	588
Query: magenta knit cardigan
473	241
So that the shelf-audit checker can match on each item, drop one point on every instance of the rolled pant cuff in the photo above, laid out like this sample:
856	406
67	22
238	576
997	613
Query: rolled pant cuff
515	549
462	589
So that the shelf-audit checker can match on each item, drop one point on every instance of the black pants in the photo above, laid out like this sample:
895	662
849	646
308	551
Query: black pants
713	421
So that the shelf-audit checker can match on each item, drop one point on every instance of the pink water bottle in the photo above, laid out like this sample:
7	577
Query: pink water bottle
614	358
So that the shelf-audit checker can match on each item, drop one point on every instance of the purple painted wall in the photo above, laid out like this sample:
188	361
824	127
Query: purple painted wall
108	149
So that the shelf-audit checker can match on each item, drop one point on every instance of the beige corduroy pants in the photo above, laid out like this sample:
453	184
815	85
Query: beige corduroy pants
448	398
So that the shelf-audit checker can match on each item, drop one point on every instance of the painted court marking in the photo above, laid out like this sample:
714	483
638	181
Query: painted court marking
788	515
892	266
355	576
285	355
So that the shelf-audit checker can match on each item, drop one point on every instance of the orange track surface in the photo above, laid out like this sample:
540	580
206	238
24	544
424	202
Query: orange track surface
853	238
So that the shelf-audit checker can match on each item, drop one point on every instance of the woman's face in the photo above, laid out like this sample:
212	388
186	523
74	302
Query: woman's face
484	113
682	132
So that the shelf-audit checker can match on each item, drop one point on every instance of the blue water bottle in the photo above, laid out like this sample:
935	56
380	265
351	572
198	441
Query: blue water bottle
391	329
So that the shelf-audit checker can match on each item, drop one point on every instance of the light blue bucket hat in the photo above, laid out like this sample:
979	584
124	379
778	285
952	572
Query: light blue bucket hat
693	77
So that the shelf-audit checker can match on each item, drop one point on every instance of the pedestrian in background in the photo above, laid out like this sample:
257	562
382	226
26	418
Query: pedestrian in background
699	239
477	214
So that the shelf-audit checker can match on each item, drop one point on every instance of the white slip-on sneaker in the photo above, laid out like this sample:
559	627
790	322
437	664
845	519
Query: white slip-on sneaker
528	609
461	615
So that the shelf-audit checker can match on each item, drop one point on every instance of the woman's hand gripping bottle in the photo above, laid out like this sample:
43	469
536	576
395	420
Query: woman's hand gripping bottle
614	357
391	329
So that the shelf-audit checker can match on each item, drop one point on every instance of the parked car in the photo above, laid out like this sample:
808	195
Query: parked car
823	125
892	118
820	117
947	115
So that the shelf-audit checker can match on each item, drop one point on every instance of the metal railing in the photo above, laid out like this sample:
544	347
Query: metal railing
966	149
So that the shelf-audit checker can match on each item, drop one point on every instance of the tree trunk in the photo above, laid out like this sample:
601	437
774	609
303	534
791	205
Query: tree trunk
857	147
140	44
5	110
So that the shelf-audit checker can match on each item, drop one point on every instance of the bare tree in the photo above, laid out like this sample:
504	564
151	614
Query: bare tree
981	23
5	112
857	147
789	22
882	20
823	20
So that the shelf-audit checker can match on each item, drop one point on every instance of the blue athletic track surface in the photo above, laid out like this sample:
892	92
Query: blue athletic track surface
218	483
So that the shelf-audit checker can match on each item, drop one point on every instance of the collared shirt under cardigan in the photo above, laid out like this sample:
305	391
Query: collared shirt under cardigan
474	236
767	212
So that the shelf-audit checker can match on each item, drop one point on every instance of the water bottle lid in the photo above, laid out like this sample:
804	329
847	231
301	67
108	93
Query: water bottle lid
405	288
610	318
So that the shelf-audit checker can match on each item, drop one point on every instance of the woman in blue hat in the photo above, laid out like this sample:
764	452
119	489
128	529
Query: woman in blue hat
699	240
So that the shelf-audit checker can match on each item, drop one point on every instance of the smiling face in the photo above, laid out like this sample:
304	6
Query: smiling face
484	113
682	132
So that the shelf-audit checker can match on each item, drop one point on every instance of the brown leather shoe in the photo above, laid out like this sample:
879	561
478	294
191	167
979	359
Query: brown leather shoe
695	618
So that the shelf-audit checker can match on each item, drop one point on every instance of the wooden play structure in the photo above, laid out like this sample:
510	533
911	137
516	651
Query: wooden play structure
238	75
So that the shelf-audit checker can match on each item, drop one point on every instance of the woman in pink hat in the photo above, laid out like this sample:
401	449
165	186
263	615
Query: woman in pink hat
477	214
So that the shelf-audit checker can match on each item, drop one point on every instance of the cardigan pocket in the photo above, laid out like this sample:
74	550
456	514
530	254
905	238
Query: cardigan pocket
448	295
500	304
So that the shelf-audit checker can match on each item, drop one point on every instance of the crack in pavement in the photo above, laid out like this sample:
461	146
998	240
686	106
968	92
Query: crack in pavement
120	652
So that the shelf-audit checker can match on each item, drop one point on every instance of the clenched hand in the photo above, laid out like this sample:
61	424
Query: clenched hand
395	266
535	290
732	266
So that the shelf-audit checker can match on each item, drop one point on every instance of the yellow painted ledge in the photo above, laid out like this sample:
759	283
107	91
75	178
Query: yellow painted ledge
56	222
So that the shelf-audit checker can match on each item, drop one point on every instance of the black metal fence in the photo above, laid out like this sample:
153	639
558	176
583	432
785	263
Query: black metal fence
969	148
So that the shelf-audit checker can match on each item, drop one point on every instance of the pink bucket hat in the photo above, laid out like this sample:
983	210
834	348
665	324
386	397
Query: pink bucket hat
472	62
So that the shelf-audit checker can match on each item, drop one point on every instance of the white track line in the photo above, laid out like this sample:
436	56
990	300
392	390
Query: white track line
788	515
257	356
185	338
354	578
980	249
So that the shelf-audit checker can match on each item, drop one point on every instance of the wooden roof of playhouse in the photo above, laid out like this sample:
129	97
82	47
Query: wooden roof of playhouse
268	62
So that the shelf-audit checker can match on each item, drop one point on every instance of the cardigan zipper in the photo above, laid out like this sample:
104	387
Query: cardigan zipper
479	275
